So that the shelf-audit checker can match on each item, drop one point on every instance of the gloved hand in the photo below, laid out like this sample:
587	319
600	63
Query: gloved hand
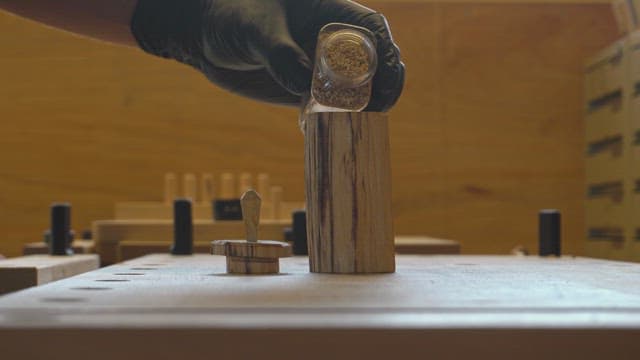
261	48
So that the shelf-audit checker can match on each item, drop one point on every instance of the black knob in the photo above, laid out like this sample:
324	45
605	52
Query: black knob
549	228
87	234
288	234
300	232
182	228
60	229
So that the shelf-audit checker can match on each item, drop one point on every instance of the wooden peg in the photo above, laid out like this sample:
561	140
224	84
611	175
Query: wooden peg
250	203
263	186
207	188
182	227
251	256
189	186
348	188
276	199
170	188
227	186
245	182
60	229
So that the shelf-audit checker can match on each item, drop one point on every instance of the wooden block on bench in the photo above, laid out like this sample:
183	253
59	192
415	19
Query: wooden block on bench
424	245
26	271
79	247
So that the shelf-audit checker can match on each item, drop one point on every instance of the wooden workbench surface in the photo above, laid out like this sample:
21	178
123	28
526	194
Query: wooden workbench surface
32	270
499	306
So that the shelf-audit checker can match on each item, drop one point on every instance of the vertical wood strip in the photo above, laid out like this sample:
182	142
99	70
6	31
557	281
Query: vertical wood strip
348	187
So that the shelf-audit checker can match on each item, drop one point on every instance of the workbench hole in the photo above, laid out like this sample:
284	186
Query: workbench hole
246	275
128	274
92	288
63	299
113	280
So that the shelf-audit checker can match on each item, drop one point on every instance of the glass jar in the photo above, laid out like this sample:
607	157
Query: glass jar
345	63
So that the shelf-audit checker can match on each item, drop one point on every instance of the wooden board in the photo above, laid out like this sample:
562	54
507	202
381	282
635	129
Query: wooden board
454	307
109	233
145	210
424	245
26	271
79	247
489	128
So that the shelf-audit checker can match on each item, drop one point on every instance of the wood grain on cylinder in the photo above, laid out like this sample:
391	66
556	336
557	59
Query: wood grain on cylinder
262	249
243	257
238	265
348	188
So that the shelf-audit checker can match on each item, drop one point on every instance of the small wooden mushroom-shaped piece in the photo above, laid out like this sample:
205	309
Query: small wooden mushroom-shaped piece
251	256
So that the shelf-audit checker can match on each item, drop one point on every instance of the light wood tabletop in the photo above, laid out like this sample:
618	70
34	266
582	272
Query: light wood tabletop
497	307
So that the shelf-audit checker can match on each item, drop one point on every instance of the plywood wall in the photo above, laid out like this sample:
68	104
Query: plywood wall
489	129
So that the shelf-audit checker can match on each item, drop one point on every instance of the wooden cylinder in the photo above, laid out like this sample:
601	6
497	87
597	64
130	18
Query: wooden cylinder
170	188
245	183
348	189
264	186
276	201
189	186
227	187
207	188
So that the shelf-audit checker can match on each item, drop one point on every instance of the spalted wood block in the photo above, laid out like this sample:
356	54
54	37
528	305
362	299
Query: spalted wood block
26	271
78	247
348	188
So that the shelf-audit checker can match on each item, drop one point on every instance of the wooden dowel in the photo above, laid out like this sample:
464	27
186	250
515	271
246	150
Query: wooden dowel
264	186
245	183
348	189
189	186
207	188
228	187
250	202
276	199
170	188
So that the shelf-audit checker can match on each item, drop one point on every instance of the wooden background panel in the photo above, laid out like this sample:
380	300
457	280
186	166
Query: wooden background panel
488	131
512	111
416	125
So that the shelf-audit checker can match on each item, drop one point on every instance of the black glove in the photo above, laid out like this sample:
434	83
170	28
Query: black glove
261	48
